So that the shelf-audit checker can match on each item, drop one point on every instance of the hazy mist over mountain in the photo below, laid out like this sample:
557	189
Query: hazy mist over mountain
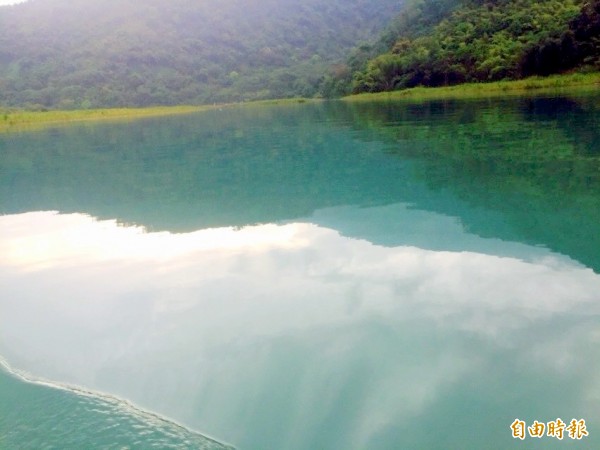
10	2
84	53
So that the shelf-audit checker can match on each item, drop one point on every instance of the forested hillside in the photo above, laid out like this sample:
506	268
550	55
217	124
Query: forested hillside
87	53
443	42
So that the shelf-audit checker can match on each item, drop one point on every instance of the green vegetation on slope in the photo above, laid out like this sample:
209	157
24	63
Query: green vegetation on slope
79	54
565	84
18	120
446	42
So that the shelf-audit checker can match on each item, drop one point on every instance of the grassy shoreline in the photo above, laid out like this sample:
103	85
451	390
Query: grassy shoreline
555	84
16	120
22	120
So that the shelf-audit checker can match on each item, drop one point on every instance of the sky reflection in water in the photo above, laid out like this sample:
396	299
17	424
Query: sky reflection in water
294	335
417	276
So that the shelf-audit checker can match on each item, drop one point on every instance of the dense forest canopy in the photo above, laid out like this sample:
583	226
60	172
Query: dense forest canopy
82	53
442	42
86	53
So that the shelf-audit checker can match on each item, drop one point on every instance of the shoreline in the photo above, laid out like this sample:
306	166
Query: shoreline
554	84
14	120
22	120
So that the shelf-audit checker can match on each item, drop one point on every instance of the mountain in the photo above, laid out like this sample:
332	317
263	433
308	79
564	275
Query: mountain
86	53
444	42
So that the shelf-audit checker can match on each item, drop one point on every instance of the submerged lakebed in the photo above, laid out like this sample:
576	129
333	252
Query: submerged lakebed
377	275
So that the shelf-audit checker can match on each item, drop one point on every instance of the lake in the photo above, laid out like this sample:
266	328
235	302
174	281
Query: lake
313	276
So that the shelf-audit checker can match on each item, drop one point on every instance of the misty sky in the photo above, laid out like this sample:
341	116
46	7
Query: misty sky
10	2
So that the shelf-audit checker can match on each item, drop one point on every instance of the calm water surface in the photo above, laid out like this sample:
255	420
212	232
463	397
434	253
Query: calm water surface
330	276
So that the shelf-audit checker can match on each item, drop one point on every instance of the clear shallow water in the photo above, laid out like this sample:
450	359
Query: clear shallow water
48	416
373	276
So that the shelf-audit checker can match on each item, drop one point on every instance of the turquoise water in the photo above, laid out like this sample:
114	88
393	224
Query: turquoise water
323	276
46	416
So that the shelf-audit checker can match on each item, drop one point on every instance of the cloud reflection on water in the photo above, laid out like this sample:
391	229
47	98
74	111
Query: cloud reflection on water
290	335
